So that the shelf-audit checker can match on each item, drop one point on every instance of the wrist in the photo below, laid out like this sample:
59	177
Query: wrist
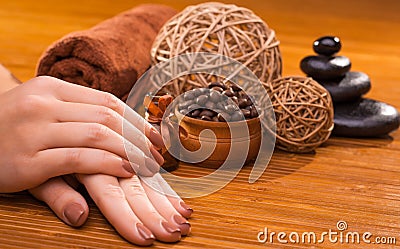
7	80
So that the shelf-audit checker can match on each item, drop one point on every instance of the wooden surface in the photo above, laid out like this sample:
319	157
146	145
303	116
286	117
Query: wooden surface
355	180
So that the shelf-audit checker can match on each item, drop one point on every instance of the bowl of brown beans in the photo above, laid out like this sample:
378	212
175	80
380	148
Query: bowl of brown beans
227	111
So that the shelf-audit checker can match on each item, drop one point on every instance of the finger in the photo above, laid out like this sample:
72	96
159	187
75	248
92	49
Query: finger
184	209
65	202
66	112
164	206
75	93
110	198
63	161
92	135
147	213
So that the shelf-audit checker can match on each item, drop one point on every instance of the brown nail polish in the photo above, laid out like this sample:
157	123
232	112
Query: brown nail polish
144	232
186	206
73	213
127	166
156	138
152	165
157	156
180	220
169	228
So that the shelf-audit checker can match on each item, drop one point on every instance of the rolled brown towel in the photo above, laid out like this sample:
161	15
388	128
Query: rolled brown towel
110	56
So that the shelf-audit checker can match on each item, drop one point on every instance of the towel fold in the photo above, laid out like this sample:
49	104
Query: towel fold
110	56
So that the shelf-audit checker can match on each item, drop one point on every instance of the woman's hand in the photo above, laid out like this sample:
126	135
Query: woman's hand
138	212
50	128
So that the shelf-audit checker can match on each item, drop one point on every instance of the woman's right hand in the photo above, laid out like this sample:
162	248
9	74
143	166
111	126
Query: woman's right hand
140	213
51	128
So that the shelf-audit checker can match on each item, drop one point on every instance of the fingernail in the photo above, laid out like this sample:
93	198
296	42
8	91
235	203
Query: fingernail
186	206
156	138
179	220
144	232
157	156
135	167
169	228
127	166
152	165
73	212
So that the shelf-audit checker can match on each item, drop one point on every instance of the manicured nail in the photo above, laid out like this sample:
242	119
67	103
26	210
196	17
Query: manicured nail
157	156
180	220
127	166
156	138
169	228
144	232
152	165
135	167
186	206
73	212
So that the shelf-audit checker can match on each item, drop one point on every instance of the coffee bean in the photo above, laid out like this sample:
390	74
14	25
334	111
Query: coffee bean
193	107
210	105
251	99
215	96
217	84
203	90
220	106
224	117
185	104
243	95
207	118
195	113
218	89
243	103
201	100
228	93
208	113
236	88
246	113
253	111
230	109
235	99
189	95
197	91
236	116
215	119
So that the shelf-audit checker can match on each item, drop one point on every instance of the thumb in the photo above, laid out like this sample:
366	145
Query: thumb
66	203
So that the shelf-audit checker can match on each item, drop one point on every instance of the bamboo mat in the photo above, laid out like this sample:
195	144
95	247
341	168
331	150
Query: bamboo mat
344	180
352	180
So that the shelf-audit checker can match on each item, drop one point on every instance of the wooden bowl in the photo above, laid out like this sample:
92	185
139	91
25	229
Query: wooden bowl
190	129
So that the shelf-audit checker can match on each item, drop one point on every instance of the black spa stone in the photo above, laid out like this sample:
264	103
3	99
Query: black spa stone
365	118
327	45
322	67
351	87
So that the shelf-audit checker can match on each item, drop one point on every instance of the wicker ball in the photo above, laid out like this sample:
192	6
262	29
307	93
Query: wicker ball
220	28
303	112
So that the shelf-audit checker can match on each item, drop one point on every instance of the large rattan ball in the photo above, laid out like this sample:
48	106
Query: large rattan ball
303	112
220	28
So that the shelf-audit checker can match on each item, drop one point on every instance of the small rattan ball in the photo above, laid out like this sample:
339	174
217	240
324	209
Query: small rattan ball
303	112
220	28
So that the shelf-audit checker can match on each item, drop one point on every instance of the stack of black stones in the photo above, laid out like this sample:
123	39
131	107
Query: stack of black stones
210	104
355	116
